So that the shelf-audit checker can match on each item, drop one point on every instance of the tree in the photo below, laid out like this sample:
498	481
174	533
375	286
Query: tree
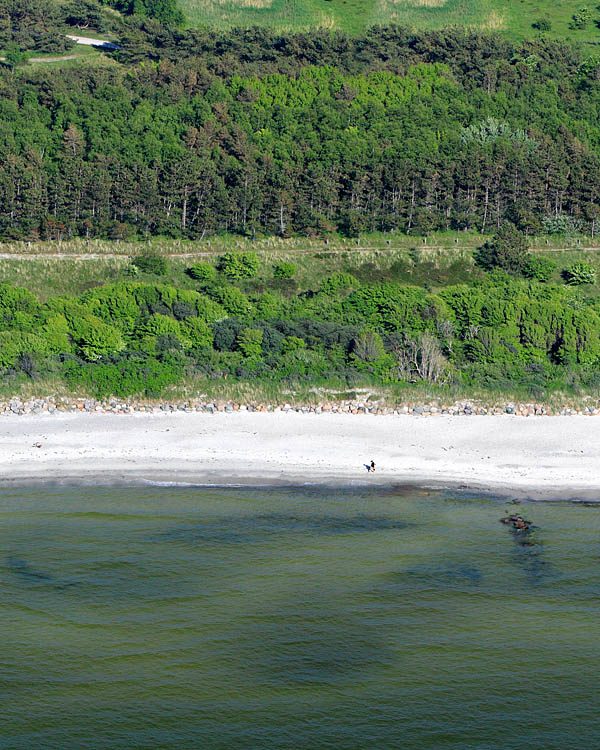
508	250
165	11
83	14
421	358
14	56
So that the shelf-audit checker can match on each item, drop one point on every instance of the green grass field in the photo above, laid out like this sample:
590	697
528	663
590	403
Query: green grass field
50	268
514	17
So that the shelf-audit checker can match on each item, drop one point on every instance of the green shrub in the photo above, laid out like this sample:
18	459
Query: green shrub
542	24
269	305
15	344
367	347
209	310
116	304
18	320
233	300
580	19
198	333
205	272
183	310
239	265
94	338
284	270
158	325
56	334
151	263
135	376
292	344
249	342
579	273
538	268
225	334
337	282
14	298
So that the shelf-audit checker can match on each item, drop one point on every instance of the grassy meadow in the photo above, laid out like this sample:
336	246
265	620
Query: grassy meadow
55	268
514	17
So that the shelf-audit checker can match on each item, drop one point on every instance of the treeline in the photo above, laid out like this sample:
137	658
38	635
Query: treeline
138	336
42	25
196	132
165	11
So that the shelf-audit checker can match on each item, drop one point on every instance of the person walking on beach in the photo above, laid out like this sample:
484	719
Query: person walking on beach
372	466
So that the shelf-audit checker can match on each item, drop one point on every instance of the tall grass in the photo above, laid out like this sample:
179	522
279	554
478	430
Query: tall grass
51	277
196	390
221	243
53	268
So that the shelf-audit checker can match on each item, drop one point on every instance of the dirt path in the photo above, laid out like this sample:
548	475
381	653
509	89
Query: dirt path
199	254
51	59
213	253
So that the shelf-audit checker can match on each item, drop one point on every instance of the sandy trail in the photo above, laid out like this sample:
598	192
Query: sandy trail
525	457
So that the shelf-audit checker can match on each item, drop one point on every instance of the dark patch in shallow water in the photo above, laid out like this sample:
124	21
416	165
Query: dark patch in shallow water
537	570
23	569
258	528
427	577
292	647
528	550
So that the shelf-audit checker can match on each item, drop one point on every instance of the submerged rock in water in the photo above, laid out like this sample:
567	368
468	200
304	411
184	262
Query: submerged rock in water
517	522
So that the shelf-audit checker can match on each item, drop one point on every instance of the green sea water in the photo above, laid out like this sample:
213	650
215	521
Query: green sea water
172	617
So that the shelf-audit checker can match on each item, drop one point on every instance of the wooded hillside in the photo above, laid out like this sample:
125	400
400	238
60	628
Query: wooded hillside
194	133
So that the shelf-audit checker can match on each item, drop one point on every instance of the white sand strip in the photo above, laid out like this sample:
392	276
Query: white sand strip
522	456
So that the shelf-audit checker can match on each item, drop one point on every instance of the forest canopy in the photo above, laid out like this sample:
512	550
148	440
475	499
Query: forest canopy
194	132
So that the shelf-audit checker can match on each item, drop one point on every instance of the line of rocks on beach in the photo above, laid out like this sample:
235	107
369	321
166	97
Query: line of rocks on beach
64	405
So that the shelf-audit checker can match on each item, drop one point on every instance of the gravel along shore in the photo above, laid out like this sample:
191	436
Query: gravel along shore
14	406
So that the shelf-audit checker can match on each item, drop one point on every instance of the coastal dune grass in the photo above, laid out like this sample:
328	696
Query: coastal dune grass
334	392
54	268
54	275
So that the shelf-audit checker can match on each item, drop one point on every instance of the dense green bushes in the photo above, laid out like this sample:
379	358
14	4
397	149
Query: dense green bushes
151	264
147	377
141	338
239	265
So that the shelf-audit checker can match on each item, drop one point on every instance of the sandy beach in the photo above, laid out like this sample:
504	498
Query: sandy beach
538	457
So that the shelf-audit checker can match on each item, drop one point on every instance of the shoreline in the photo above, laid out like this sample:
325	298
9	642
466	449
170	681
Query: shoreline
518	457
